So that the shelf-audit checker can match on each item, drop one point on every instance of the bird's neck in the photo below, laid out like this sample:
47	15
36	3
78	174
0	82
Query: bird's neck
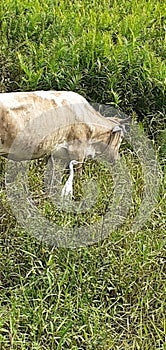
71	171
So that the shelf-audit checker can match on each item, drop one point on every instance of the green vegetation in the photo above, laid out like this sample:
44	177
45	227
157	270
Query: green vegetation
109	51
111	295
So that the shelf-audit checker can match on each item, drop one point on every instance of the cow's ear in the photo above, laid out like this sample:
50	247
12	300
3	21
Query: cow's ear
117	128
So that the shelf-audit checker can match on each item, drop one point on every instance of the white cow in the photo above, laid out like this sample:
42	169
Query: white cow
58	123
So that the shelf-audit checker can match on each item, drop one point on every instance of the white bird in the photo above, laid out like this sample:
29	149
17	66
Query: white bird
68	188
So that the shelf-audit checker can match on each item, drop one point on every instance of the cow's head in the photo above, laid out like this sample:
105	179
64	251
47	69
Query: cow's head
117	133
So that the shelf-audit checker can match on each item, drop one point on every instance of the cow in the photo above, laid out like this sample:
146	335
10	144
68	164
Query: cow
59	123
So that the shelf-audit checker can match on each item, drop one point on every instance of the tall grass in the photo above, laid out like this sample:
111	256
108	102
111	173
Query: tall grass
109	296
111	51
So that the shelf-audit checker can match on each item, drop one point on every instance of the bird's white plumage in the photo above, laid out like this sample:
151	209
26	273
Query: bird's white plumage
68	187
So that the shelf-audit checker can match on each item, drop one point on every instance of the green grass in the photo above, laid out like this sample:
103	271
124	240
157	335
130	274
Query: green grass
111	295
110	51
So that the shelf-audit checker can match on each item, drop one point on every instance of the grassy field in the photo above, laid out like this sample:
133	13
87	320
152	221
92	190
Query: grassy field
110	295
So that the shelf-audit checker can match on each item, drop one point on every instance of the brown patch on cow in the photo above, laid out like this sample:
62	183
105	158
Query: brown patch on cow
8	129
64	102
56	93
101	134
54	103
39	103
79	132
18	109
